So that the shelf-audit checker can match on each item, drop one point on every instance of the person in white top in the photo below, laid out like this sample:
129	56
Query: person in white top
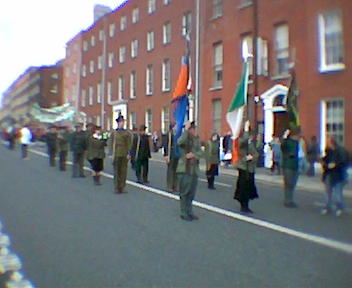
25	139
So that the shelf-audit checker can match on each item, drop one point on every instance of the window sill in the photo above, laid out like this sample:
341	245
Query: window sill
148	95
332	68
166	90
244	6
281	77
215	88
215	17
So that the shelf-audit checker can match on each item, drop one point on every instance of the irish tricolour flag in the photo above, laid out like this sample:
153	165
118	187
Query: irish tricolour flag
235	114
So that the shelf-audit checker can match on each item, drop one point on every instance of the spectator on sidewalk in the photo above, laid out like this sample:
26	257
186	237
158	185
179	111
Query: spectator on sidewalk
248	156
313	154
227	148
275	146
290	164
25	140
335	165
212	159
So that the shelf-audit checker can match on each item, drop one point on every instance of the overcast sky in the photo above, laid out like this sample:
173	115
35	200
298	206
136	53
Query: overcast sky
35	32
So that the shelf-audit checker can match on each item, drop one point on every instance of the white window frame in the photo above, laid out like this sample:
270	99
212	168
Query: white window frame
167	2
135	15
132	120
247	41
91	66
166	75
216	119
84	70
165	119
324	66
133	85
149	80
218	61
122	54
101	35
121	87
111	59
112	29
99	86
100	62
186	23
217	8
167	33
151	6
85	45
91	95
109	91
98	120
150	40
123	23
134	48
282	48
149	120
83	98
92	40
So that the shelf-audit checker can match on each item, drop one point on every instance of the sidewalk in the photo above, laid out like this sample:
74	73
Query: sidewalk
264	175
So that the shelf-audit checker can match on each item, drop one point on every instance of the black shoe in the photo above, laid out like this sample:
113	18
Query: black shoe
246	210
139	182
186	218
194	217
211	188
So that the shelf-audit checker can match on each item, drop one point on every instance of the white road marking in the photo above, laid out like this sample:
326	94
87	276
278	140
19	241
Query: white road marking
334	244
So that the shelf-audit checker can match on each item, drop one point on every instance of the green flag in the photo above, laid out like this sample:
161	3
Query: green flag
292	102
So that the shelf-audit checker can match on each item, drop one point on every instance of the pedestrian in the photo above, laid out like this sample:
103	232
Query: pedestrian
11	136
63	140
227	148
155	139
120	145
52	144
96	152
313	155
290	164
78	147
188	169
335	164
141	150
171	158
275	146
302	156
25	140
212	159
246	189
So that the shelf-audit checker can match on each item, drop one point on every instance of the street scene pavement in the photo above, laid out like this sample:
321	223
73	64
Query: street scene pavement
70	233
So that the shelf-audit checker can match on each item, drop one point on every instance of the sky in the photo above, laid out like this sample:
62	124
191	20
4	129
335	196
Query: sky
35	32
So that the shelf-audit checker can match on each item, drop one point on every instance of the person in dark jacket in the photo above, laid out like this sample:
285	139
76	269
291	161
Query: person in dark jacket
212	159
290	164
141	150
246	189
63	140
335	164
78	147
96	152
52	144
171	159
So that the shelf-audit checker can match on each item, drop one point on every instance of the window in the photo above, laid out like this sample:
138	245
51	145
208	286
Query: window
112	30
100	62
245	3
55	76
135	15
247	48
334	118
54	89
331	41
217	69
134	48
149	120
92	41
150	40
167	33
133	85
149	80
85	46
262	56
111	60
186	23
121	83
217	8
108	124
167	2
122	54
91	95
101	35
217	116
84	71
151	6
109	91
99	93
91	66
83	98
133	121
166	79
98	122
282	49
165	119
123	23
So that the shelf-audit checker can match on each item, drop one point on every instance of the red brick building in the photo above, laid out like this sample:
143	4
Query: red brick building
131	58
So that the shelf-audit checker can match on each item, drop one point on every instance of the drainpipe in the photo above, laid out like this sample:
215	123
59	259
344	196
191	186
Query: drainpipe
255	61
103	76
197	67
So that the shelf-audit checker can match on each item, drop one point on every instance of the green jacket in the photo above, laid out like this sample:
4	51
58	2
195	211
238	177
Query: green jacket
95	148
79	142
63	140
120	141
247	147
212	152
188	143
289	148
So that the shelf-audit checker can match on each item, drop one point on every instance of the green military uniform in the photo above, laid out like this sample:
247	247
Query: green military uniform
188	171
52	145
78	147
121	144
63	140
172	161
212	161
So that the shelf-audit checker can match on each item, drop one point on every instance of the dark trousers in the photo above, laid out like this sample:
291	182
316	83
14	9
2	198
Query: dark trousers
171	176
52	156
120	173
11	144
142	165
211	180
188	187
24	150
290	181
77	167
62	160
311	170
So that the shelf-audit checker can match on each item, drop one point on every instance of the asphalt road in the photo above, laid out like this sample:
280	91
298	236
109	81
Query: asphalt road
70	233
